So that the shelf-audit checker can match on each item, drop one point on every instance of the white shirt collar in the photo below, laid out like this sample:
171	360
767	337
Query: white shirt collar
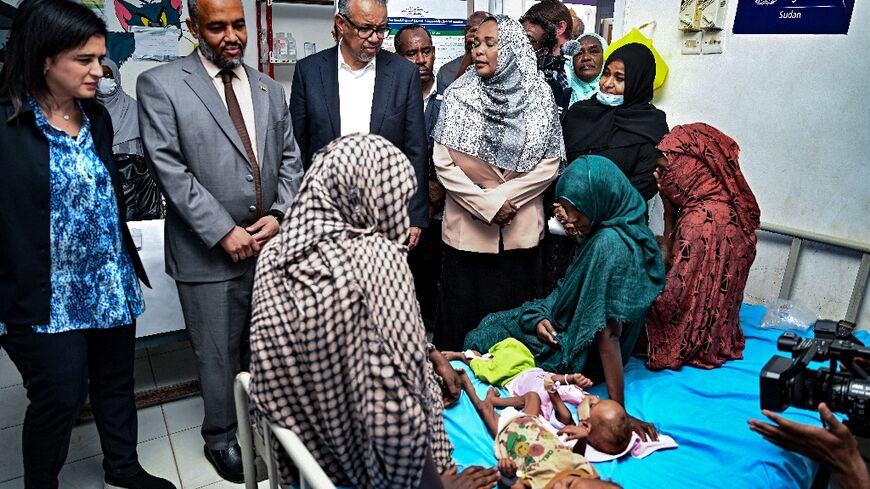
214	71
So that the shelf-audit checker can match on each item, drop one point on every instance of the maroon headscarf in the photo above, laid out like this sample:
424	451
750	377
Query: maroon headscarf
706	145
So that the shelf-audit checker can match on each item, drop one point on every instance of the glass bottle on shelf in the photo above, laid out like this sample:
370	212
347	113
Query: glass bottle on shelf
264	49
280	45
291	47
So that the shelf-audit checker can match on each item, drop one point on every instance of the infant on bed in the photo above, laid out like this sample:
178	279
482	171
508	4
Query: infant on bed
530	453
510	364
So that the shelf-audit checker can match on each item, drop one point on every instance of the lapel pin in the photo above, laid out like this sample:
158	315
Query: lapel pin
263	87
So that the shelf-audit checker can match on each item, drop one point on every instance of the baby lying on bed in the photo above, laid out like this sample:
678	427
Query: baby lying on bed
530	454
511	367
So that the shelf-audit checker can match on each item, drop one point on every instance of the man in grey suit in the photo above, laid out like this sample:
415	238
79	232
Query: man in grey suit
218	137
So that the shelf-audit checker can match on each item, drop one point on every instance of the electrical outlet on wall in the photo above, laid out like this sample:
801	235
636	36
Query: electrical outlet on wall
691	43
712	41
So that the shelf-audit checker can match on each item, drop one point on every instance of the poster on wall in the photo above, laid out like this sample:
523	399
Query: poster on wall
444	19
139	29
793	16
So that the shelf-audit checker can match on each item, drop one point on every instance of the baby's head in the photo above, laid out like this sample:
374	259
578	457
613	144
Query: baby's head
610	431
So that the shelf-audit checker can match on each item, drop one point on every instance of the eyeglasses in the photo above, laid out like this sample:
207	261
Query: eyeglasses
366	32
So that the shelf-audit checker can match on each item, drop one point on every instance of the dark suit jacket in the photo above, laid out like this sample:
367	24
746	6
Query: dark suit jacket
430	115
25	225
397	114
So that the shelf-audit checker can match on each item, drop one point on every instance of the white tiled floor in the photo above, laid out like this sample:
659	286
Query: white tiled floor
170	445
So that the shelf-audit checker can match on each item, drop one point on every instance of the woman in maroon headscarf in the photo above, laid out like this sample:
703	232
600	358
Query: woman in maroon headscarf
709	244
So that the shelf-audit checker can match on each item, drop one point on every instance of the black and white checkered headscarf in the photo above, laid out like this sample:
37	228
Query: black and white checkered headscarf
509	120
339	348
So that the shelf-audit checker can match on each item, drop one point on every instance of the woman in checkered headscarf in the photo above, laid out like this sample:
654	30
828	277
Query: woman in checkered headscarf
339	349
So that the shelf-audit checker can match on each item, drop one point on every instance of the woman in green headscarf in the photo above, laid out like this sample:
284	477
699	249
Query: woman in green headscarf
592	319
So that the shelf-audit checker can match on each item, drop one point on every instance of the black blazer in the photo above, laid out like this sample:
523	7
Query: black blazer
397	114
433	110
25	241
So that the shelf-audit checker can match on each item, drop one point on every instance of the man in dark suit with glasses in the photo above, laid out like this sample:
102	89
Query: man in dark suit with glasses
357	87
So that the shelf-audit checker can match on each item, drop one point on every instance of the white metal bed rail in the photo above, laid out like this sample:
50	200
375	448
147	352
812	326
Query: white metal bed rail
797	238
311	475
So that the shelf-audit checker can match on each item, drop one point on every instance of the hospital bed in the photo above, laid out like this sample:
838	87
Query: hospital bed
705	411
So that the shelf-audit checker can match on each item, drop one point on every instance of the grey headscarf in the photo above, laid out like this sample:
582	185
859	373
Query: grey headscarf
508	120
122	108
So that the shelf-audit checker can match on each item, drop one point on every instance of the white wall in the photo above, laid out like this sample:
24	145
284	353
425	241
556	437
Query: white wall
307	23
797	107
311	23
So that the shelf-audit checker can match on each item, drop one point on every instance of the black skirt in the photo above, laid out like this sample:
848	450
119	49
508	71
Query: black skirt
425	264
557	252
476	284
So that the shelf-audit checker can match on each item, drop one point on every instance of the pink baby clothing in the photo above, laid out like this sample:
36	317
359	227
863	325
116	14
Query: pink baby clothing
532	380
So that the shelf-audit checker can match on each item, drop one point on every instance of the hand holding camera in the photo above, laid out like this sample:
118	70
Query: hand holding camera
791	382
832	445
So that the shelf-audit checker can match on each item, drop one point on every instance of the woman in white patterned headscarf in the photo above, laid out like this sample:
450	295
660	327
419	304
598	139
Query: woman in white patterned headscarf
339	348
497	148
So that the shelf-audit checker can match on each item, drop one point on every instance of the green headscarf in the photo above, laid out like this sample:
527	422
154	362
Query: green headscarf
616	274
581	90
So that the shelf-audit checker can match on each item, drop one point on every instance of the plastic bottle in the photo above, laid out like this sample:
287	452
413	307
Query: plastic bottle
291	47
264	50
279	47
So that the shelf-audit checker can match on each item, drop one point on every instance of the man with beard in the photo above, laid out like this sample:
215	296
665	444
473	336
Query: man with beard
218	137
356	87
414	43
543	37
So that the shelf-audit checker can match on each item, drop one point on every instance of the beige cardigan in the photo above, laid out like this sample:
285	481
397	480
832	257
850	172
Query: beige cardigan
476	191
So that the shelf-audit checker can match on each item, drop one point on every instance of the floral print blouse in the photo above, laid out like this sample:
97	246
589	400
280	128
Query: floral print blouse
93	284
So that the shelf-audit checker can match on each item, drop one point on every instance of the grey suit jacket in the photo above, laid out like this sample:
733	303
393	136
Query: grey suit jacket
201	165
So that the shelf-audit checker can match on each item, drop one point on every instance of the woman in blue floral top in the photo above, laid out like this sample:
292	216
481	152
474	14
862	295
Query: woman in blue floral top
69	292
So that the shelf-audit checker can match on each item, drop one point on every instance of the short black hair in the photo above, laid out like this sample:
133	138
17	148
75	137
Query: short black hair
398	38
554	11
549	41
42	29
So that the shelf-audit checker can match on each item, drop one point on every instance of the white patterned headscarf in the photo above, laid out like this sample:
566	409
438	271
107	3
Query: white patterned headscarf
339	353
509	120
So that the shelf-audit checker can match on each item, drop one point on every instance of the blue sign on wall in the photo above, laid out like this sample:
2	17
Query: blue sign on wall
793	16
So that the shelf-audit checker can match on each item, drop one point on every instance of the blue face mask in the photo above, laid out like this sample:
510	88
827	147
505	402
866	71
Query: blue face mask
609	99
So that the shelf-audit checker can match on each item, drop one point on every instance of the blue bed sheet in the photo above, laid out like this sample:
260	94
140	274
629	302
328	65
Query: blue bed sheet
705	411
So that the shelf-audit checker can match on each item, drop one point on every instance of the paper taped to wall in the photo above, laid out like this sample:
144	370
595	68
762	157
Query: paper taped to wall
156	43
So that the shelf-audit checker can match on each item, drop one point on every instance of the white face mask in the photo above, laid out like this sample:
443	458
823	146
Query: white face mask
609	99
107	86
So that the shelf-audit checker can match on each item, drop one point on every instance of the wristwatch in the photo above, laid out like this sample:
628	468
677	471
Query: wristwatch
278	215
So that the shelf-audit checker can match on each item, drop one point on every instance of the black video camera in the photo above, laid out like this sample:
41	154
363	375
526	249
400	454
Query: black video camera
790	382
